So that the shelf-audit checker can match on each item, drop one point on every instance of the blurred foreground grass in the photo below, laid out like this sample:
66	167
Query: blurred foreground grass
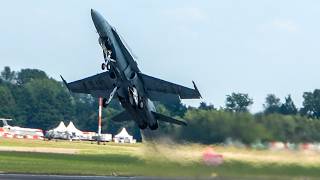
154	159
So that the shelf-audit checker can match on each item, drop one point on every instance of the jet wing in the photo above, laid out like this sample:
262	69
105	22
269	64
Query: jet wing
100	85
152	84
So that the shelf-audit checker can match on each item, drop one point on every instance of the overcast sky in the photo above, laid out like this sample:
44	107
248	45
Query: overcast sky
254	47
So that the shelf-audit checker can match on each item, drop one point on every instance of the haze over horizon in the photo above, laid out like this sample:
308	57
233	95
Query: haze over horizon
224	46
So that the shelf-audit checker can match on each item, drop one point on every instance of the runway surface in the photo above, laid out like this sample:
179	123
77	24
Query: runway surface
66	177
62	177
58	177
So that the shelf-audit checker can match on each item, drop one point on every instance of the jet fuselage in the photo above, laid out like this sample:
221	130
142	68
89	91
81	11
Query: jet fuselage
123	80
123	68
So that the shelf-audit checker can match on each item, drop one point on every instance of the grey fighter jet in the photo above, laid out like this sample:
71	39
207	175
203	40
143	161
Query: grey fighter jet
122	79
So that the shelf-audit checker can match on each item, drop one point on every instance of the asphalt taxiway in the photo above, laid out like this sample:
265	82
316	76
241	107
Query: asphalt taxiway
64	177
73	177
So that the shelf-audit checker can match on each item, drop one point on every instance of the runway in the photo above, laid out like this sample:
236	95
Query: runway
72	177
64	177
61	177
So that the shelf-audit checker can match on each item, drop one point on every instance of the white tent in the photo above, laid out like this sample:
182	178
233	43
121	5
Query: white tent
73	130
59	132
60	128
124	137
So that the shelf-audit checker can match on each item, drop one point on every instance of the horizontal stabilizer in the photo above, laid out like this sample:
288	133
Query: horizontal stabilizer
121	117
161	117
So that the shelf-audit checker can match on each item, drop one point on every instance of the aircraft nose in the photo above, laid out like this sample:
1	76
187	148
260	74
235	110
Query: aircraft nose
96	18
99	22
93	13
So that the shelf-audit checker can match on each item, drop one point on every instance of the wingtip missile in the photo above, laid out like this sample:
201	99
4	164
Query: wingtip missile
195	87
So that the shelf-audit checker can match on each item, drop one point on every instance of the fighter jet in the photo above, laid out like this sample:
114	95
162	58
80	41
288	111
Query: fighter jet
123	80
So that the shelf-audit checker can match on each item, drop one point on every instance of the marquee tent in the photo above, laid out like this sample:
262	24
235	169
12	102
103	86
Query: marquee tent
73	130
61	128
124	137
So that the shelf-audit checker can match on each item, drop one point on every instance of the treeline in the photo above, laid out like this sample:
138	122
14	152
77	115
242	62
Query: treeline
35	100
217	126
278	121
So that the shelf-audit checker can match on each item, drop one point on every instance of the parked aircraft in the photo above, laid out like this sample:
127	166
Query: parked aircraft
19	131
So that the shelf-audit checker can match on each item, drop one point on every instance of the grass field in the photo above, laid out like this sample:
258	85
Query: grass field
154	159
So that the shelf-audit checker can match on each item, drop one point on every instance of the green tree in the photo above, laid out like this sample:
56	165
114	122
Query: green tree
311	104
23	107
215	126
238	102
7	74
27	75
288	107
175	107
205	106
272	104
7	102
281	128
49	103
